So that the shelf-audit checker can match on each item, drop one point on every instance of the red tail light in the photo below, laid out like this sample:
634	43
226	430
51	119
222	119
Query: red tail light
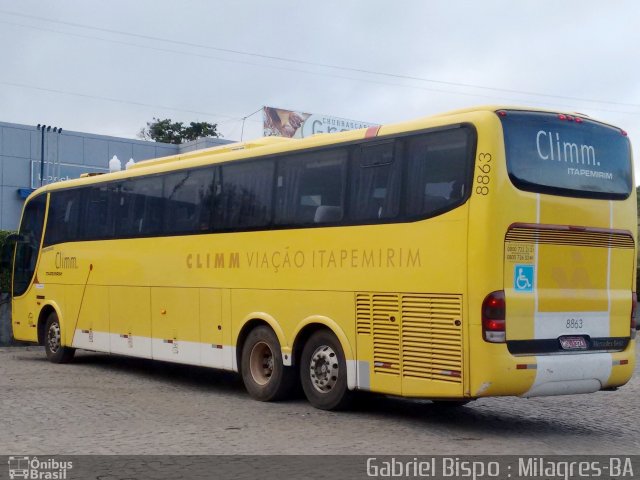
634	309
493	317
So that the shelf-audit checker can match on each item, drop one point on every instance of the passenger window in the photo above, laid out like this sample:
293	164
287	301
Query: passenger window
375	185
64	215
310	188
243	195
97	222
438	171
138	206
188	201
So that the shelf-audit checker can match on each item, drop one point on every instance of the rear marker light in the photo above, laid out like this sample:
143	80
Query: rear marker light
502	113
624	134
562	116
579	120
493	317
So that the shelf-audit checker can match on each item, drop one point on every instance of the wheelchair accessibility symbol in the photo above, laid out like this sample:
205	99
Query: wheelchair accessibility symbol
523	278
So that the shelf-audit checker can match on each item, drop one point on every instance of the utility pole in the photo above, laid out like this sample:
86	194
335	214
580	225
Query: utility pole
42	129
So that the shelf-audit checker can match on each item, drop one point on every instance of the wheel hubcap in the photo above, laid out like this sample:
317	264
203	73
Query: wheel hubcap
53	337
261	363
324	369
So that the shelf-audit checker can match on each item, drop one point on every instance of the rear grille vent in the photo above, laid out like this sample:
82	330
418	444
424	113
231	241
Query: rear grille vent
562	235
415	335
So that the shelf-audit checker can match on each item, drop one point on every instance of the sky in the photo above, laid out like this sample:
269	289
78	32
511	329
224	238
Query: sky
110	67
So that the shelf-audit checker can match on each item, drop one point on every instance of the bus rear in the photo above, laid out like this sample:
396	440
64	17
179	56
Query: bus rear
558	215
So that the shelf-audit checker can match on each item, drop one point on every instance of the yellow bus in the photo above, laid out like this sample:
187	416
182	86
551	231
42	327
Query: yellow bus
482	252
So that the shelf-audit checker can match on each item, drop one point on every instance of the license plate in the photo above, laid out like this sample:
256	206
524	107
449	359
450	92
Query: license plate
573	343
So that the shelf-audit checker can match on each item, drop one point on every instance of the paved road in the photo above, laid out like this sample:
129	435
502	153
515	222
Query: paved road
104	404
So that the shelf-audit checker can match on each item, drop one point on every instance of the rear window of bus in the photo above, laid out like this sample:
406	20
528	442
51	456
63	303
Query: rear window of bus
564	155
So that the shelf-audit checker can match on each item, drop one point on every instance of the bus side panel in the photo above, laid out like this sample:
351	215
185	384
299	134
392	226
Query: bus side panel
175	324
92	329
71	307
215	337
130	320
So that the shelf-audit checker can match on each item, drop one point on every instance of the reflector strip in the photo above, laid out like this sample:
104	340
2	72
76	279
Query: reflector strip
620	362
167	341
216	346
383	364
526	366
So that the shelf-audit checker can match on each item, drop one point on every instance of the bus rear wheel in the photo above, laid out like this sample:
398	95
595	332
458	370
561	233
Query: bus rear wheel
264	375
323	372
56	353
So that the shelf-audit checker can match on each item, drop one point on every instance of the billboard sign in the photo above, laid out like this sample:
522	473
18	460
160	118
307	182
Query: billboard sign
288	123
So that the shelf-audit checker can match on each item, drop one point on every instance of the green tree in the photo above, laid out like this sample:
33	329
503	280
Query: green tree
166	131
5	274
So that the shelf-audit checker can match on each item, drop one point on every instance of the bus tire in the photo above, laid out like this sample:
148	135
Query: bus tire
264	375
323	372
56	353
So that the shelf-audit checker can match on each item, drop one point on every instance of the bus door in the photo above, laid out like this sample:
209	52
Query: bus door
25	317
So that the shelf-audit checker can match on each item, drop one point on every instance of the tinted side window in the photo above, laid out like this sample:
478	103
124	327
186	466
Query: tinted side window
188	199
137	206
98	223
438	166
375	183
310	188
243	195
64	216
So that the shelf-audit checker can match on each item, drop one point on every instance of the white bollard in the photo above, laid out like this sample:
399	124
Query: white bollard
115	165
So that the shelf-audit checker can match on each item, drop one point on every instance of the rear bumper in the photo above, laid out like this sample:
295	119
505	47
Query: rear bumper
497	372
570	374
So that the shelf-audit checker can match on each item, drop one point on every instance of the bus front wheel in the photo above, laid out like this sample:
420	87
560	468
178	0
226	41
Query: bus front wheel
56	353
264	375
323	372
